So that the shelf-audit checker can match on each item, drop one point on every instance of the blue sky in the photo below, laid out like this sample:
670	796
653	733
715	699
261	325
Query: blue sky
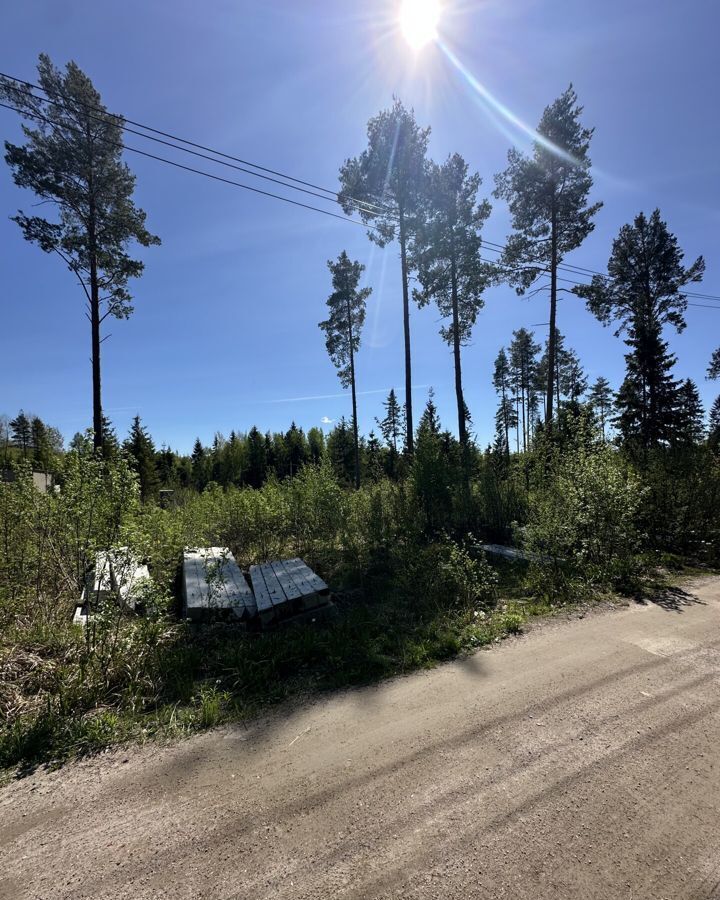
225	332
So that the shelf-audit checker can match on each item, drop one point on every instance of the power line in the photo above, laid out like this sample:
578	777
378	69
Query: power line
579	270
178	165
334	195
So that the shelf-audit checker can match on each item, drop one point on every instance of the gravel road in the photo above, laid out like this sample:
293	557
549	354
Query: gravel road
579	761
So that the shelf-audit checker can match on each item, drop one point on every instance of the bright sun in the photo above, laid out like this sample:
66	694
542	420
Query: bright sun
419	20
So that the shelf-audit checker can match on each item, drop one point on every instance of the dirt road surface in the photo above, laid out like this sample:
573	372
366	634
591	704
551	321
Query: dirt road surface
580	761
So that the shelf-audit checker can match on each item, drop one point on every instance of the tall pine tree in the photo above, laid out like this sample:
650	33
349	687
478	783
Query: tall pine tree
343	328
547	193
385	185
448	261
72	159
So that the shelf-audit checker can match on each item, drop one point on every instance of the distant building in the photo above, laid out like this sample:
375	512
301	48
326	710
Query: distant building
43	481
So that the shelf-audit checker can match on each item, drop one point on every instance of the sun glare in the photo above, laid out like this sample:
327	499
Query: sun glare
419	20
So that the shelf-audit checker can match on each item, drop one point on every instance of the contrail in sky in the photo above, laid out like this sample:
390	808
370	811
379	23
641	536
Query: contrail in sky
416	387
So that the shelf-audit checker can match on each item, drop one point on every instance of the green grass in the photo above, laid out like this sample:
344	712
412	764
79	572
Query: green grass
192	678
169	679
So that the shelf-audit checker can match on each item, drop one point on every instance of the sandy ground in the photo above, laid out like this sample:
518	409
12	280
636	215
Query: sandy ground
581	761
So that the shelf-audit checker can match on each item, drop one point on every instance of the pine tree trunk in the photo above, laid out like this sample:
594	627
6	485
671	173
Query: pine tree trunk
553	313
522	389
506	420
95	326
354	399
406	328
462	424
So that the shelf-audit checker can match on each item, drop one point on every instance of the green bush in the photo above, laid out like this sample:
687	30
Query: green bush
582	521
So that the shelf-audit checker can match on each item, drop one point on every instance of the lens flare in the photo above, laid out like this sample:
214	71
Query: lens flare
419	21
494	106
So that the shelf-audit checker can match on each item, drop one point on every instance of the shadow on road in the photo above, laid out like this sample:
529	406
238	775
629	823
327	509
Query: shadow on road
674	599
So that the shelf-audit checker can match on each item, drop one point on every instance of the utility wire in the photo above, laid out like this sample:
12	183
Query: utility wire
579	270
374	208
362	206
178	165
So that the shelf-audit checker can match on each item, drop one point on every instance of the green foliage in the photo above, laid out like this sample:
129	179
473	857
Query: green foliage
680	512
142	457
582	518
643	293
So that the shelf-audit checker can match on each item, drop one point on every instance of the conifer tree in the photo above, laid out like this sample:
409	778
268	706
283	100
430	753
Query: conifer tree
110	442
167	467
430	473
72	159
385	185
642	293
523	364
373	458
21	432
448	261
199	465
257	458
547	194
600	399
392	426
714	423
297	448
40	441
341	450
343	328
713	371
506	415
689	415
141	452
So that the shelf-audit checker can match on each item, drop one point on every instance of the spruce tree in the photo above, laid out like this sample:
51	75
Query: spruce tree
257	458
714	424
689	415
642	293
392	425
547	193
600	400
110	442
341	451
21	431
72	159
506	415
448	261
199	465
385	185
713	371
297	448
40	441
343	328
141	452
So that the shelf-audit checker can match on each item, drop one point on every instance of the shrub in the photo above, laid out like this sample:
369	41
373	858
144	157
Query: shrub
582	524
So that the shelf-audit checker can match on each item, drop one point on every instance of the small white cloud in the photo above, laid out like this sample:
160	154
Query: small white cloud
327	421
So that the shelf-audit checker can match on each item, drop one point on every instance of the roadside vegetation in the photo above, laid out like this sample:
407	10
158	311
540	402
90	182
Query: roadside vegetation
411	584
